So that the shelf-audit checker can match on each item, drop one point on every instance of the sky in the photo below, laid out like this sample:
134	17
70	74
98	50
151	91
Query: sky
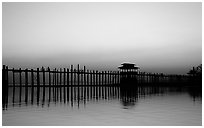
157	37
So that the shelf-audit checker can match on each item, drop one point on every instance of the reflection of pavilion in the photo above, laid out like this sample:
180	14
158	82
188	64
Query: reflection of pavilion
128	73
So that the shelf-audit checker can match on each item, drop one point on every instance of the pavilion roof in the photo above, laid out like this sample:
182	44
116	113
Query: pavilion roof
127	65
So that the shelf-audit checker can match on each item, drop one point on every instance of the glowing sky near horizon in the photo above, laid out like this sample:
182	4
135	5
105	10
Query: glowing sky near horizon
158	37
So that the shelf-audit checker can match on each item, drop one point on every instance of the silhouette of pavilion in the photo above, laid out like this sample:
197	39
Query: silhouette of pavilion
128	73
128	67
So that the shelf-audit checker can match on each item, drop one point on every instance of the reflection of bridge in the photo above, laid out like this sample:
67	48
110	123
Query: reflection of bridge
77	96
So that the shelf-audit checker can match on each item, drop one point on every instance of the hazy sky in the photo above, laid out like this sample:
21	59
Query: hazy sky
158	37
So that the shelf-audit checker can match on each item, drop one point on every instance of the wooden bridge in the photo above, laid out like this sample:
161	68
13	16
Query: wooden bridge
81	77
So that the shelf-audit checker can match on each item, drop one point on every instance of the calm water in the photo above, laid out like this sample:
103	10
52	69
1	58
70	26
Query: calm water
103	106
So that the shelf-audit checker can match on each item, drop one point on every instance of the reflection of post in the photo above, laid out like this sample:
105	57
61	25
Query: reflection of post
64	94
90	94
96	96
74	92
107	92
71	96
85	94
78	95
67	94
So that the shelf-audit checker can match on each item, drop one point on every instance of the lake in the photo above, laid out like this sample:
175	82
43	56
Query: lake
104	105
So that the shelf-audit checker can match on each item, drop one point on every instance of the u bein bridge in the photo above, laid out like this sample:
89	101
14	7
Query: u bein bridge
128	75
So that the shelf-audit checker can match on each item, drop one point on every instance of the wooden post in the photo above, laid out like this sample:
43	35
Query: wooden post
7	83
105	77
71	75
96	77
64	93
64	77
78	74
113	78
26	85
20	84
88	77
53	77
4	87
4	78
43	71
102	79
38	85
57	79
53	84
13	85
32	85
74	77
67	77
109	73
60	77
14	78
119	77
109	77
99	78
67	84
49	76
7	77
84	76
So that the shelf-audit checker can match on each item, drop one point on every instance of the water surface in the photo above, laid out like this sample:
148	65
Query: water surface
107	105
